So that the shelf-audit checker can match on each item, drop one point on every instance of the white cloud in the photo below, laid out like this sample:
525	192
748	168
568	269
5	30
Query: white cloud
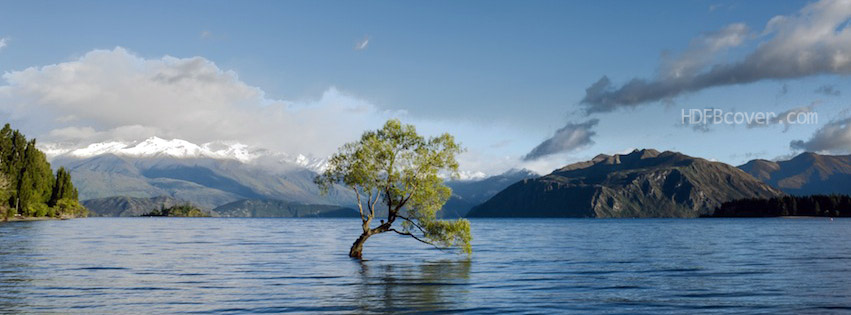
834	138
2	43
115	95
361	44
703	50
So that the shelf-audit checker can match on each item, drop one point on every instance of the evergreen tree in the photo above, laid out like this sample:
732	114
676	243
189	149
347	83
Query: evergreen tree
30	187
13	164
5	210
36	180
5	154
63	188
815	205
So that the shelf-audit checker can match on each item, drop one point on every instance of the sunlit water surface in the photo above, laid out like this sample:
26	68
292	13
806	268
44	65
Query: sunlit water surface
176	265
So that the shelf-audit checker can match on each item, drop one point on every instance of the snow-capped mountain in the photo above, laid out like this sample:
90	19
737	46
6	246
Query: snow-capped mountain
207	175
182	149
216	173
470	175
158	147
315	164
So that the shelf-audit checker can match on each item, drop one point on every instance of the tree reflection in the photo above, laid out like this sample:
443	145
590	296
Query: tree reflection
425	287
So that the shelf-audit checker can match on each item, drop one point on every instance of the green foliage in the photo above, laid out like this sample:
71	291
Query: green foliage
70	207
36	210
27	183
445	233
5	193
36	183
402	170
63	188
185	210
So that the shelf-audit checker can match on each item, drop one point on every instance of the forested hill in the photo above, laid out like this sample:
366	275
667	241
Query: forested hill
813	206
28	186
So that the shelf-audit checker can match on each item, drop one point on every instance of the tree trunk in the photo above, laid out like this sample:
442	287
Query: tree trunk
357	247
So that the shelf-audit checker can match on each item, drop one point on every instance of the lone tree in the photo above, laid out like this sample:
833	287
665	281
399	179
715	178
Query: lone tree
401	169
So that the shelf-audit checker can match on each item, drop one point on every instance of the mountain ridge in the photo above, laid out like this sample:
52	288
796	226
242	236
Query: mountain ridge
248	208
156	147
467	194
805	174
125	206
205	182
643	183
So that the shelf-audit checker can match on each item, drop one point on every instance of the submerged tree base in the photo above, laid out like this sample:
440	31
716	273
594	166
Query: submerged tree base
357	247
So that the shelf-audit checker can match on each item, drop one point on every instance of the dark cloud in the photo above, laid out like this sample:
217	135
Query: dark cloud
833	137
816	40
784	89
568	138
829	90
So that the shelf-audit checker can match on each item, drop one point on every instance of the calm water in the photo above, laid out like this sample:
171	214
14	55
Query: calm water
174	265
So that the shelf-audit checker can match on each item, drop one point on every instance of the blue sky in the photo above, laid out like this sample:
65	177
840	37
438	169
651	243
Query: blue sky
504	76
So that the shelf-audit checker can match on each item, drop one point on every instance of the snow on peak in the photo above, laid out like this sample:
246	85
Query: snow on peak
156	146
471	175
177	148
312	163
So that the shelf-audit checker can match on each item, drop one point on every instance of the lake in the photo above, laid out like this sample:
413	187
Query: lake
187	265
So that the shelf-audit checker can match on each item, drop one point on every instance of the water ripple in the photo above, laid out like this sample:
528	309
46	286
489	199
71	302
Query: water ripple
131	265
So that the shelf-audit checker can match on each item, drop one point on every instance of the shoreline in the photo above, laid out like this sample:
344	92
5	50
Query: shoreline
27	219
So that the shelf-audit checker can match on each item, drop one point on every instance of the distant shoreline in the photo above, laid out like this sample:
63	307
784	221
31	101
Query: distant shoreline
26	219
474	218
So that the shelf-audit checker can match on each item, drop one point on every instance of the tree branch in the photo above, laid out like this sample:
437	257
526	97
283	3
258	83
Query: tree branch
445	249
369	204
419	239
414	223
360	207
377	195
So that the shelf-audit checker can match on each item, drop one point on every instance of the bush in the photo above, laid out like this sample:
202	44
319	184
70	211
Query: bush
70	207
37	210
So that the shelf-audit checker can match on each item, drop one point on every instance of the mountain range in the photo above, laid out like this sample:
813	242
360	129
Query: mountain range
206	182
805	174
466	194
121	179
134	177
123	206
644	183
134	207
280	209
207	175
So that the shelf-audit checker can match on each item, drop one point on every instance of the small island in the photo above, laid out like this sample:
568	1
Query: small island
184	211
